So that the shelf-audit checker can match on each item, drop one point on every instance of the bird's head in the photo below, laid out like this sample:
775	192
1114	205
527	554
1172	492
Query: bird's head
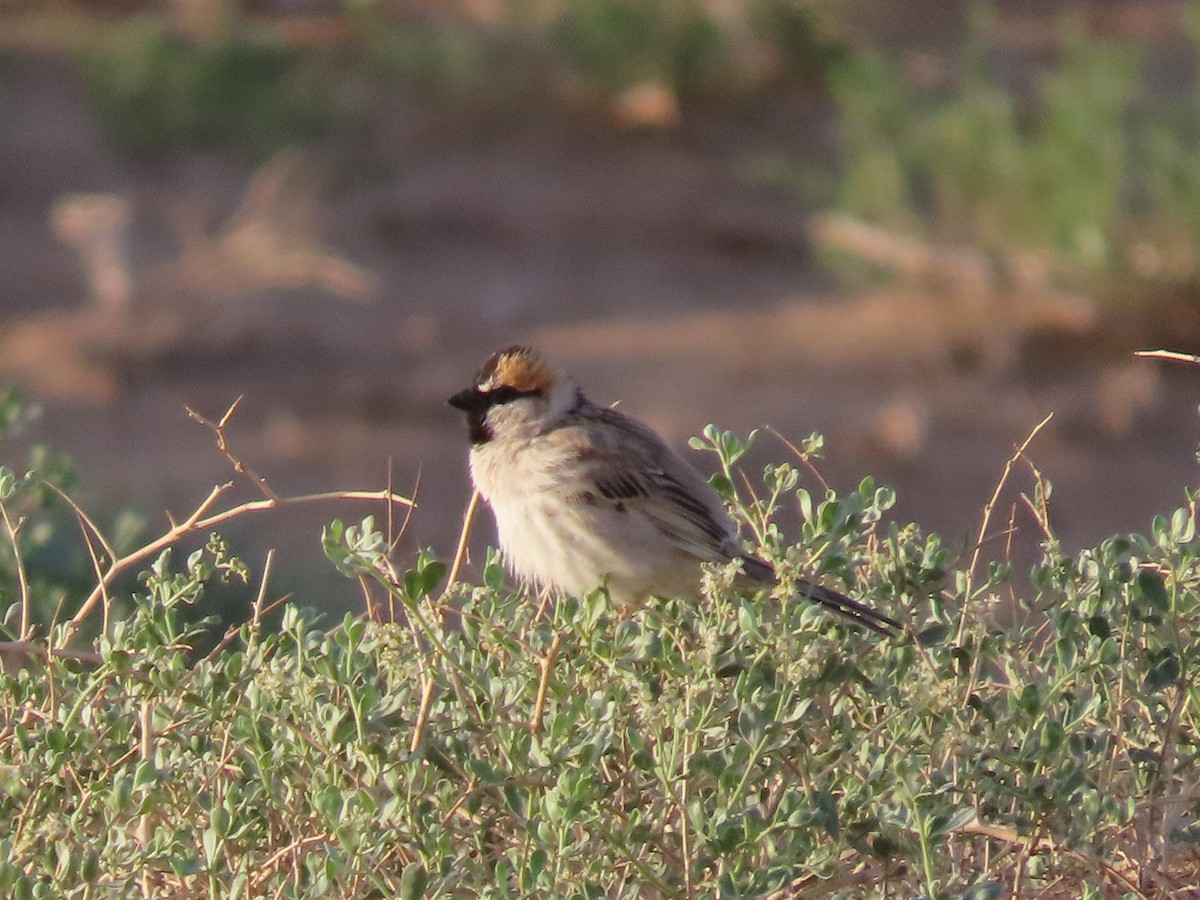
516	393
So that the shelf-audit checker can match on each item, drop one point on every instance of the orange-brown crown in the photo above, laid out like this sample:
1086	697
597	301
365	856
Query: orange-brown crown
520	368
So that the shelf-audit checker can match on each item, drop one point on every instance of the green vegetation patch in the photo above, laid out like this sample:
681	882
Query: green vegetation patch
485	745
1088	171
159	92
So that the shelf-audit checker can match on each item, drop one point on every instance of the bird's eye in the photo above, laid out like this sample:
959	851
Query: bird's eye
506	394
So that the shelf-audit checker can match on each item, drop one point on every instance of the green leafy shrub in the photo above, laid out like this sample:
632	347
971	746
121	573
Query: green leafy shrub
485	745
1088	171
616	43
1049	175
41	566
158	92
693	47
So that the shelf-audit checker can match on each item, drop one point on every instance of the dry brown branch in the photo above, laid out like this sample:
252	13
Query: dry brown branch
259	608
218	430
547	667
294	849
1042	509
200	520
394	534
815	886
1156	833
31	648
460	552
428	689
1036	844
146	754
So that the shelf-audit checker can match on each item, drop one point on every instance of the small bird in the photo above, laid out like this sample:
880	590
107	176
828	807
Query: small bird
585	496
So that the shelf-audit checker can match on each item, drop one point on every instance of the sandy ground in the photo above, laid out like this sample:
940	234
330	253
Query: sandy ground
646	262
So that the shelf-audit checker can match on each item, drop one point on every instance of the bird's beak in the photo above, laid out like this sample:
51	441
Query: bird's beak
470	400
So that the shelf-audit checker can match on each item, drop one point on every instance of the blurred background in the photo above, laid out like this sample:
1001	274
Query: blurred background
916	227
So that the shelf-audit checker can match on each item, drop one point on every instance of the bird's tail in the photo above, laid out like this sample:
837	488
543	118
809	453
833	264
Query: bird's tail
850	609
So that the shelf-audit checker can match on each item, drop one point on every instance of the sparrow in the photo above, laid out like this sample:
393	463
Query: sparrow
586	497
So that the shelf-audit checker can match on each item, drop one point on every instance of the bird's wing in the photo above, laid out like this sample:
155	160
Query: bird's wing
628	466
689	523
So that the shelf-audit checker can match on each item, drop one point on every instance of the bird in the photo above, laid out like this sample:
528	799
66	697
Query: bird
587	497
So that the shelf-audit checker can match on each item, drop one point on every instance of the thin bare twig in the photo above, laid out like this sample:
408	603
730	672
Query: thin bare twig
458	804
427	692
1036	513
146	754
804	460
119	564
22	581
273	861
546	596
1156	817
390	520
1008	542
218	430
813	885
261	596
89	530
547	667
682	804
394	534
1169	354
1043	508
84	519
460	552
201	519
987	519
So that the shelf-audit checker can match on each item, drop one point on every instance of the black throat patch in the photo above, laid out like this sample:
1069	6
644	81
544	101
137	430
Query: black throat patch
476	403
477	427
